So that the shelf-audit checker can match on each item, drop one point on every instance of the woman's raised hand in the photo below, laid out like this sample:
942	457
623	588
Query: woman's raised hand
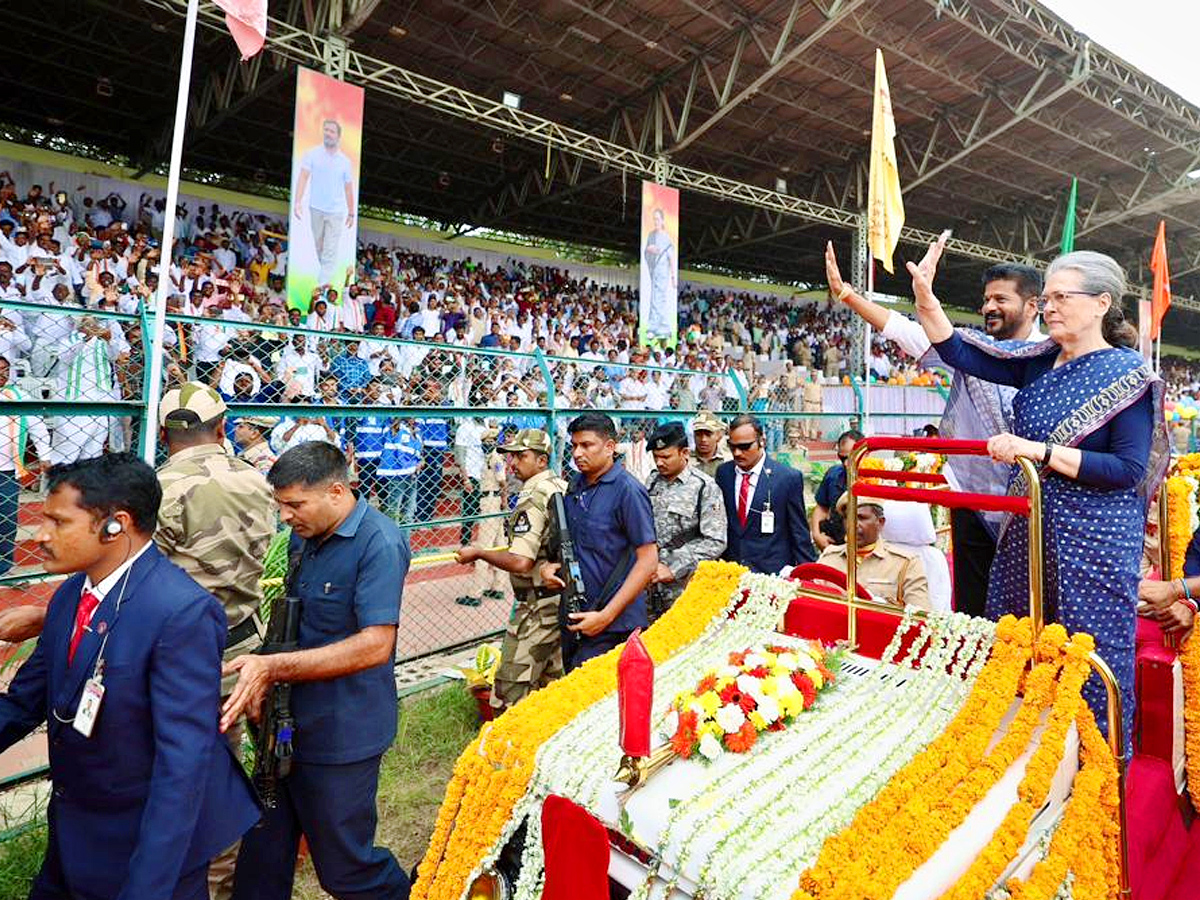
922	284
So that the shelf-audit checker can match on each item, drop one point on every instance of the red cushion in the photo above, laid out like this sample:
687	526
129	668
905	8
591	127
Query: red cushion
576	848
828	622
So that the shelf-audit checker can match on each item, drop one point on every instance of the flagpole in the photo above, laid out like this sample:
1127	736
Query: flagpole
154	365
866	423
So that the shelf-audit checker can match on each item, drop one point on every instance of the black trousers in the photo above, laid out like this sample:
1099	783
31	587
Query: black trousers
974	549
333	806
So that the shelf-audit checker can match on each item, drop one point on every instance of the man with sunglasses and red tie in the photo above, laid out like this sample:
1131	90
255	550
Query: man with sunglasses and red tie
127	676
768	524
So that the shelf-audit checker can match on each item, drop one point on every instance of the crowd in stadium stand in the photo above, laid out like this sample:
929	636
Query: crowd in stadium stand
59	247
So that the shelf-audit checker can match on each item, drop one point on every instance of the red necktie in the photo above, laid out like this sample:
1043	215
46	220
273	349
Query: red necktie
744	499
83	617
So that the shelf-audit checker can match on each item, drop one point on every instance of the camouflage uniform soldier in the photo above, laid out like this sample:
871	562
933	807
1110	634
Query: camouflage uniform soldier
711	447
216	521
532	652
689	516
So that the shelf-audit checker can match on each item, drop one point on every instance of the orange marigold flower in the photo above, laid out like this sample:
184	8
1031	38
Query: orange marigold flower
742	739
707	683
683	741
804	684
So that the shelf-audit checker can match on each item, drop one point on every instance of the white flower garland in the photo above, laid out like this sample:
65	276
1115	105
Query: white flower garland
844	750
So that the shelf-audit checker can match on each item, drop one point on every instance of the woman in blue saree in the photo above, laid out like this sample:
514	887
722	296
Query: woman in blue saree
1090	413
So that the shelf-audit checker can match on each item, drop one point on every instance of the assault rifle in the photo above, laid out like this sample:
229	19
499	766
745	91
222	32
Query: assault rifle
273	741
574	594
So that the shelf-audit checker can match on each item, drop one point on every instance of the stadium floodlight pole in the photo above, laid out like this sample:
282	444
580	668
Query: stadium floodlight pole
154	366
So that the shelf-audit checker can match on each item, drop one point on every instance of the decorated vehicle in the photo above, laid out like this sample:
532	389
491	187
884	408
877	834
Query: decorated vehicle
772	738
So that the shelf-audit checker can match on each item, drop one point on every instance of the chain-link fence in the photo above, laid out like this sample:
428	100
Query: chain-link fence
419	422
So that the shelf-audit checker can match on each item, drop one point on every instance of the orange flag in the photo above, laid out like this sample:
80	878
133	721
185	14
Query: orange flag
1160	300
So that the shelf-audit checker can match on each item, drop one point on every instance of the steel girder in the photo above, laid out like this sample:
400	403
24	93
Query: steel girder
302	46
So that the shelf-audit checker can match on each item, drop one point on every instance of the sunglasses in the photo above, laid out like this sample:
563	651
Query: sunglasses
743	445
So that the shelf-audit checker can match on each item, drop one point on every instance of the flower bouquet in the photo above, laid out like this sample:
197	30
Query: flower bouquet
758	689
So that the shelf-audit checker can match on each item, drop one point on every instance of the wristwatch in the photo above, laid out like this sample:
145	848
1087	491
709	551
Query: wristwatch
1047	454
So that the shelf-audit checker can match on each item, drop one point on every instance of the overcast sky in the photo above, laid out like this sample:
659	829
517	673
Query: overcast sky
1158	36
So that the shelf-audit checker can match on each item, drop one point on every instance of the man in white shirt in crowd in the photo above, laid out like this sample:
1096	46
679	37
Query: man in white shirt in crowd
49	332
327	174
207	342
300	365
225	257
633	390
85	372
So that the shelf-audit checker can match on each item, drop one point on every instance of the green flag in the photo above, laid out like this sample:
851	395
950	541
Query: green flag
1068	236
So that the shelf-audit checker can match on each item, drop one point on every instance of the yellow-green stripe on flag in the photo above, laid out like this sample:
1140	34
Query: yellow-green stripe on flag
885	206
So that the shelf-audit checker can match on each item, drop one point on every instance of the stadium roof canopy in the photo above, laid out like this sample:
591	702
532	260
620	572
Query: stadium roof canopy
998	104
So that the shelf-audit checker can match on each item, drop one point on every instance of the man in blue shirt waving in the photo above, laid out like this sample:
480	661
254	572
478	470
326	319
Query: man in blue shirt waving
611	521
349	573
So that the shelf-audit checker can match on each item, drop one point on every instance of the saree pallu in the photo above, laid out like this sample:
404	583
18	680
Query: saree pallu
1093	537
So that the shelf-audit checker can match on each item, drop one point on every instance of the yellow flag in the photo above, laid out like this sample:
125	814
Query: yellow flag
885	205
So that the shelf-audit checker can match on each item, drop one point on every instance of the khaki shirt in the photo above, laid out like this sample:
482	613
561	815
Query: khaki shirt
260	456
811	394
891	574
493	476
528	526
216	521
709	466
833	359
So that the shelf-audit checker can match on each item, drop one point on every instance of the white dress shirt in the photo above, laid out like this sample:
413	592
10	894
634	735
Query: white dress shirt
111	580
739	474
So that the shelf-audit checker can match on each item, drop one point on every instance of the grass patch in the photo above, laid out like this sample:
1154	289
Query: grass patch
433	729
21	860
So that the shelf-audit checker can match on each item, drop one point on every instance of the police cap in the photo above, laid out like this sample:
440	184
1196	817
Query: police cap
667	436
528	439
706	421
862	501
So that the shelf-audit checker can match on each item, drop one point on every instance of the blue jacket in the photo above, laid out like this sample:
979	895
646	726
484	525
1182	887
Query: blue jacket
790	543
155	792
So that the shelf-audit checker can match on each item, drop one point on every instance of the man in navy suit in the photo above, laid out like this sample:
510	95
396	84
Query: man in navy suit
764	500
127	674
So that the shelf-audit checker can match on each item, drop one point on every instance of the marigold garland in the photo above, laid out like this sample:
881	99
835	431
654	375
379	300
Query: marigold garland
1181	496
493	774
1189	658
1085	834
1035	784
915	812
858	862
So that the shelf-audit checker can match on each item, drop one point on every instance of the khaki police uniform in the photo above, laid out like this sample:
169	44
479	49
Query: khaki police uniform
531	655
261	456
706	421
487	580
811	401
891	574
833	361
